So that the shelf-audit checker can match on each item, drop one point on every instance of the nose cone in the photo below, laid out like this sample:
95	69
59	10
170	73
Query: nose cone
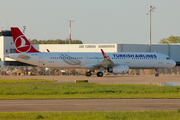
173	63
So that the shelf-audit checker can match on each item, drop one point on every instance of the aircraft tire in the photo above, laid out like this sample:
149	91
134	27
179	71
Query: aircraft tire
99	74
157	74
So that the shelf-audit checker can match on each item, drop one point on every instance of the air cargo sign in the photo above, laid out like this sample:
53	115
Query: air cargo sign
135	55
94	46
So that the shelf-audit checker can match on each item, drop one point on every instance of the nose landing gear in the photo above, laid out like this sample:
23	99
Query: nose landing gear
157	73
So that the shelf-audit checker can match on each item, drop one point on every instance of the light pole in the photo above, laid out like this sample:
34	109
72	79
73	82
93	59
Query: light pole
151	9
70	29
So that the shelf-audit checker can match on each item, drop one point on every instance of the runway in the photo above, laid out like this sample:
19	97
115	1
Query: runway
89	105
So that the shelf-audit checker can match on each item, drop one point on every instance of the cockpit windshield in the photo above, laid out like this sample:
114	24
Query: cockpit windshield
167	58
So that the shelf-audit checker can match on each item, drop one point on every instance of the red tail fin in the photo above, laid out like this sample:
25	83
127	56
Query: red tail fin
20	41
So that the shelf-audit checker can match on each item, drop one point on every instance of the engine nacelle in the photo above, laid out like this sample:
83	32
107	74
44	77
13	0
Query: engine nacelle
120	69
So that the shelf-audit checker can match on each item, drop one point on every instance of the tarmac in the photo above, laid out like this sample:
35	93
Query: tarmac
89	105
119	79
95	104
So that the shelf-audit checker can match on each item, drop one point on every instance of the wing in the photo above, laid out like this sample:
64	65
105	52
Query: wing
106	62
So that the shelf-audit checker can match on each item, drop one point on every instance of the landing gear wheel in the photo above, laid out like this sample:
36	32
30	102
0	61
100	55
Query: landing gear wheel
157	74
99	74
88	74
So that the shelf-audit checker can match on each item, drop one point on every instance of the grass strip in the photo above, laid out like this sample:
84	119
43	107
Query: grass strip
48	90
95	115
23	80
90	96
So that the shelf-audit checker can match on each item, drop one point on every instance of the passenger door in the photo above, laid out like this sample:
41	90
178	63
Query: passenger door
40	60
160	61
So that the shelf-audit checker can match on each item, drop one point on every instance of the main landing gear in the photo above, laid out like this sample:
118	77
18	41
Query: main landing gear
88	74
99	74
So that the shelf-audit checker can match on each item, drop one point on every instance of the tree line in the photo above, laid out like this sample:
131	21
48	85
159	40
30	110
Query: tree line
171	39
57	41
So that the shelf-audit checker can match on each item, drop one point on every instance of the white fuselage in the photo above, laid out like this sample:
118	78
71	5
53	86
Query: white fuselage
88	60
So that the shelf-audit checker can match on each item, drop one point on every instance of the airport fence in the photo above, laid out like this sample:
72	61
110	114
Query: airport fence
39	71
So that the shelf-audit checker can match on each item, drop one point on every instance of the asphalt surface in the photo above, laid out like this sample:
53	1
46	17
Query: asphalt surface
89	105
95	104
121	79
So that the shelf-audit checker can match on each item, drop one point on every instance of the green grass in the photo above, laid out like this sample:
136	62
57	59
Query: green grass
49	90
96	115
23	80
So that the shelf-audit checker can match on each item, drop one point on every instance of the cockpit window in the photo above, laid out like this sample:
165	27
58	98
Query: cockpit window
167	58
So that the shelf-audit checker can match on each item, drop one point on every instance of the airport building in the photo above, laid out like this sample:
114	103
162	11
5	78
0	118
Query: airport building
7	47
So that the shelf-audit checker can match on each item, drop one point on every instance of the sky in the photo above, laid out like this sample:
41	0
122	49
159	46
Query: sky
96	21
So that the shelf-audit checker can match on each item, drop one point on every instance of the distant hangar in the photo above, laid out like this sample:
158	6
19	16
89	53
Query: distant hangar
7	47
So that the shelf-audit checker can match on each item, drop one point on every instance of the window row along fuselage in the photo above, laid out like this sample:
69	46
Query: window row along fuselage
76	60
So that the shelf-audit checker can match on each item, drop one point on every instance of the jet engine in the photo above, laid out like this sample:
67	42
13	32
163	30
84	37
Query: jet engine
120	69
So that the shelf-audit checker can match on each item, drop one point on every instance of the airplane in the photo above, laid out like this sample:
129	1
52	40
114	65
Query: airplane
118	63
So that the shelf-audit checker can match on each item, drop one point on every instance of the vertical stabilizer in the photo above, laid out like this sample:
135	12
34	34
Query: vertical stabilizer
20	41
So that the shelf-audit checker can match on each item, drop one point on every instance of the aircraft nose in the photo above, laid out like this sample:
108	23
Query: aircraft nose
173	63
